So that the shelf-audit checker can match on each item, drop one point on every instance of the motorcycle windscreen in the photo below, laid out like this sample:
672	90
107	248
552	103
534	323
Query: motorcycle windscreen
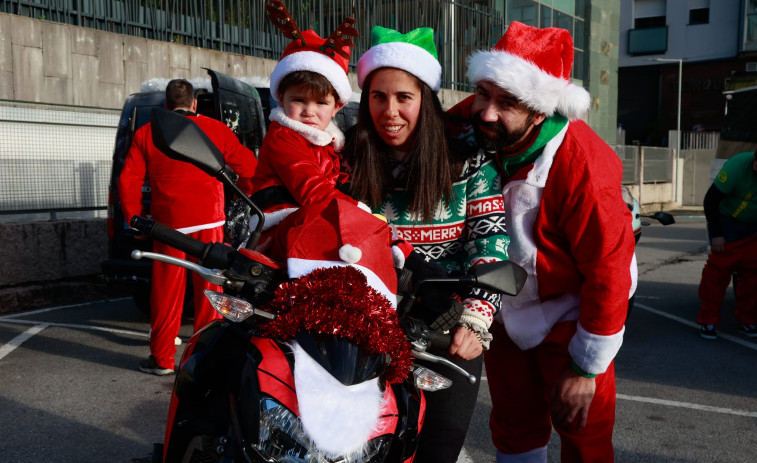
343	359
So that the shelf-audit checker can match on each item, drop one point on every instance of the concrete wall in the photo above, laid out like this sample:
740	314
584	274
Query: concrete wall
697	176
47	62
44	251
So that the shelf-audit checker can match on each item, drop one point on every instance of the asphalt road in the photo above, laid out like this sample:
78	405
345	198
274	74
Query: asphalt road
70	390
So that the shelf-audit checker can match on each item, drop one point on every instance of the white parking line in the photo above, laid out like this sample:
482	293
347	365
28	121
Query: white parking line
51	309
39	326
674	403
727	337
79	327
463	457
18	340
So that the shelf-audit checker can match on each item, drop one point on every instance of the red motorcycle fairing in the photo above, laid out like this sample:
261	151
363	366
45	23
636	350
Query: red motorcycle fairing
210	369
275	374
276	379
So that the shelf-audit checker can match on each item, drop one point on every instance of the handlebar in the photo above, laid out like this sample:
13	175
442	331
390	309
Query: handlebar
213	255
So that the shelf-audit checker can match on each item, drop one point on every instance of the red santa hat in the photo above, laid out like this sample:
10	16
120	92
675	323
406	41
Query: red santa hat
328	57
343	281
534	66
339	234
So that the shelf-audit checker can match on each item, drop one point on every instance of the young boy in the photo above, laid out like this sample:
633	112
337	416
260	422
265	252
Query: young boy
297	164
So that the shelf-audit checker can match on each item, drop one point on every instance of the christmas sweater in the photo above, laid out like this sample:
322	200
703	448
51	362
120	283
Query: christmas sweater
182	195
573	235
297	165
468	231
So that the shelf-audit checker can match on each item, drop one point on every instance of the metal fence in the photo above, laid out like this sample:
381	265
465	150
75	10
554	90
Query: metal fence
54	159
657	162
241	26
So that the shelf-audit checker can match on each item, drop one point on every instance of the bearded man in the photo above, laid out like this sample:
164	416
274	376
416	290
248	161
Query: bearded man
551	361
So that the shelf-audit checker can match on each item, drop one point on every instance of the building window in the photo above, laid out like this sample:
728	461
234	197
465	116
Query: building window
699	16
648	14
649	23
525	11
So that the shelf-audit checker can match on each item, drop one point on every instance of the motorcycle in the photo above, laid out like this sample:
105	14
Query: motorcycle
310	367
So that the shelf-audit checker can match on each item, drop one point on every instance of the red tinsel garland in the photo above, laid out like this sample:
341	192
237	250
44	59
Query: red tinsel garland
339	301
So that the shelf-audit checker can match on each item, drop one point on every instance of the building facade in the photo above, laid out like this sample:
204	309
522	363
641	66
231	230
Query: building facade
713	43
241	28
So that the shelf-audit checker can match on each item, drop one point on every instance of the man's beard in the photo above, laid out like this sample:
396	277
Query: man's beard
502	137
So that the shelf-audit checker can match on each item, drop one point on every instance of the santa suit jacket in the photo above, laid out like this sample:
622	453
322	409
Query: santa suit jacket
182	196
571	230
297	166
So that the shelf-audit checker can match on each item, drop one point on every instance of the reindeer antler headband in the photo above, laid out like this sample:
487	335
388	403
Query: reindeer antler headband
309	52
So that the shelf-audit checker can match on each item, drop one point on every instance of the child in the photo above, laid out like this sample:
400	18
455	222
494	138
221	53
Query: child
298	164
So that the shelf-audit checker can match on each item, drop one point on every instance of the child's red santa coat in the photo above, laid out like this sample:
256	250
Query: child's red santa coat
298	166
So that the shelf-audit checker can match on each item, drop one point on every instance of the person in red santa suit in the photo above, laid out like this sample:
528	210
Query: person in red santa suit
187	199
298	164
551	361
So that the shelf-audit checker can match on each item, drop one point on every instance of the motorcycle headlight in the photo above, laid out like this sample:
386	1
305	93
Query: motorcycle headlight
282	439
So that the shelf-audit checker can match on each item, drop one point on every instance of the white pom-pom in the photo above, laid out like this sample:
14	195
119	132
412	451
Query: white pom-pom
350	254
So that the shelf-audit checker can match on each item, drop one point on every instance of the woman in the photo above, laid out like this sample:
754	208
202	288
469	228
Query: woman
444	201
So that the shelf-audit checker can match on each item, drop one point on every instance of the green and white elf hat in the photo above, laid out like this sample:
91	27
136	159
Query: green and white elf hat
414	52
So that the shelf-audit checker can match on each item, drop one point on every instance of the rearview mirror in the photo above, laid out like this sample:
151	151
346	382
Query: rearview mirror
663	217
503	277
181	139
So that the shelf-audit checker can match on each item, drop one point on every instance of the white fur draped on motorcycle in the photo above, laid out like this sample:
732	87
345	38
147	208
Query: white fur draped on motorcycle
339	419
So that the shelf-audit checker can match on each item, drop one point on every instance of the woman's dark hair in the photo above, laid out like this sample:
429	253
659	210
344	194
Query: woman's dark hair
431	167
318	86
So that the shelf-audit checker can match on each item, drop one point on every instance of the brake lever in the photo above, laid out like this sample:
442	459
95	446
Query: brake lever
210	275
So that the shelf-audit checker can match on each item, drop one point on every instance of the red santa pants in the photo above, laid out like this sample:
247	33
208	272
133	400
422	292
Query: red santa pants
520	383
739	256
167	299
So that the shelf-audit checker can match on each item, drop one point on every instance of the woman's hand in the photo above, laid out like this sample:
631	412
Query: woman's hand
465	344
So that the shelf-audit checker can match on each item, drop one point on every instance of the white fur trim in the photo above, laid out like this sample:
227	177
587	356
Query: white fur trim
337	135
350	254
528	319
338	419
272	218
195	228
538	89
398	256
314	62
311	134
593	352
300	267
634	276
406	56
364	207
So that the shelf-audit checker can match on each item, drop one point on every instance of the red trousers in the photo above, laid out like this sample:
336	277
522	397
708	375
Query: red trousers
739	256
520	383
167	299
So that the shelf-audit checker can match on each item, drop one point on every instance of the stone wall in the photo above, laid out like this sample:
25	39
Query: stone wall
47	62
43	251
